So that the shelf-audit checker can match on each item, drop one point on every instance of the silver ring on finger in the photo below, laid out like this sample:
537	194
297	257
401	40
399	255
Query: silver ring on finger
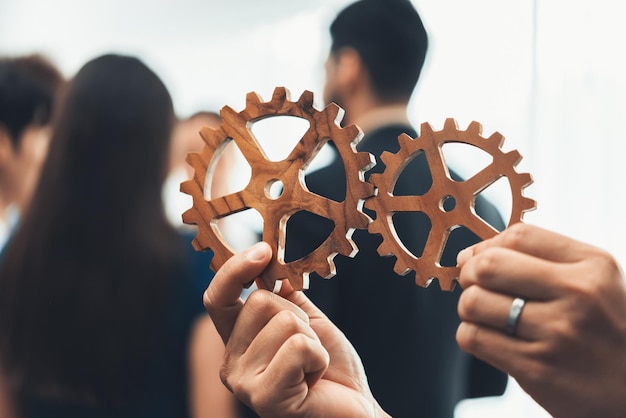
514	315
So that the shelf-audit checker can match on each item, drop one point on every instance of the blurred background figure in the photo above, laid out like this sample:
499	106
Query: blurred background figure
227	178
99	314
404	333
185	139
28	85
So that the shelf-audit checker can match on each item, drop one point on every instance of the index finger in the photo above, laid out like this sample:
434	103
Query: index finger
222	297
533	241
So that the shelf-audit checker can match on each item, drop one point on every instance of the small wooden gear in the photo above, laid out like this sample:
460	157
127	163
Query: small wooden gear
346	215
385	204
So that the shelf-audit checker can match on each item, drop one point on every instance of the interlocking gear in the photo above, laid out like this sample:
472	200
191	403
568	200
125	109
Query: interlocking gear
346	215
443	220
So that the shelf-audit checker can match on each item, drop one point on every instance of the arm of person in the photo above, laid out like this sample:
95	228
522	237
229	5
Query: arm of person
568	350
283	356
209	397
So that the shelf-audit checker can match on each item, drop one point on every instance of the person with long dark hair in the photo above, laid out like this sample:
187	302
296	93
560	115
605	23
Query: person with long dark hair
97	312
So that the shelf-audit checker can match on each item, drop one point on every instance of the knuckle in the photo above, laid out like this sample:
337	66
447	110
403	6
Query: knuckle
260	300
486	265
469	303
288	321
225	377
563	332
299	343
468	337
515	235
607	265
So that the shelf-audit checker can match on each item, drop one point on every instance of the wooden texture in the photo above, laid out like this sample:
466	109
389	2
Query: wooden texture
324	126
385	204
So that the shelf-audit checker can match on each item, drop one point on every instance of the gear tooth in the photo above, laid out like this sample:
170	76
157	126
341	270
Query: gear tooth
385	249
187	187
514	157
361	221
327	270
475	128
528	204
191	157
212	137
446	284
334	113
347	247
496	138
450	124
228	112
281	94
387	158
526	179
405	141
426	129
354	133
252	98
377	179
370	204
189	217
401	269
306	99
365	161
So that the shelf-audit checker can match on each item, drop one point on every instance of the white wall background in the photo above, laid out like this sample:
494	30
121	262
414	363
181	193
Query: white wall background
550	75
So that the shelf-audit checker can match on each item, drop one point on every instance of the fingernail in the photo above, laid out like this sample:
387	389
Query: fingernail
257	252
464	255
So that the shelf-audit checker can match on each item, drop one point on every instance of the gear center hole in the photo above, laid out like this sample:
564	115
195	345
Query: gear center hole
274	189
447	203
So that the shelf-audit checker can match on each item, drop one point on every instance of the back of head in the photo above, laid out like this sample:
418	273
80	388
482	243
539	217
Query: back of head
28	86
85	277
111	138
391	40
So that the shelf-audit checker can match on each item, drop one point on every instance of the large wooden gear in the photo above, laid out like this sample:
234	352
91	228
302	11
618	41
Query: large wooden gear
443	220
346	215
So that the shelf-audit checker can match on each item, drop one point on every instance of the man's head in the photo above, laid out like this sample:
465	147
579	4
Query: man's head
383	44
28	86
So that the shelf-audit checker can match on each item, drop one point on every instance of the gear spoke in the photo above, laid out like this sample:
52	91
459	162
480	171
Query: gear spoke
306	149
319	205
228	204
483	179
236	127
437	165
393	204
481	227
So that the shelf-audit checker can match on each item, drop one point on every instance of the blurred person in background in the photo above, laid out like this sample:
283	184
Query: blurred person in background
405	334
28	85
186	139
99	316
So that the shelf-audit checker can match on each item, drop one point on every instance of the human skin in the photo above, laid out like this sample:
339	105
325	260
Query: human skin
569	348
284	358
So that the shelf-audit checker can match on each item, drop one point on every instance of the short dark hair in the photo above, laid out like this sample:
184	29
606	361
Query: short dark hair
391	40
28	86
